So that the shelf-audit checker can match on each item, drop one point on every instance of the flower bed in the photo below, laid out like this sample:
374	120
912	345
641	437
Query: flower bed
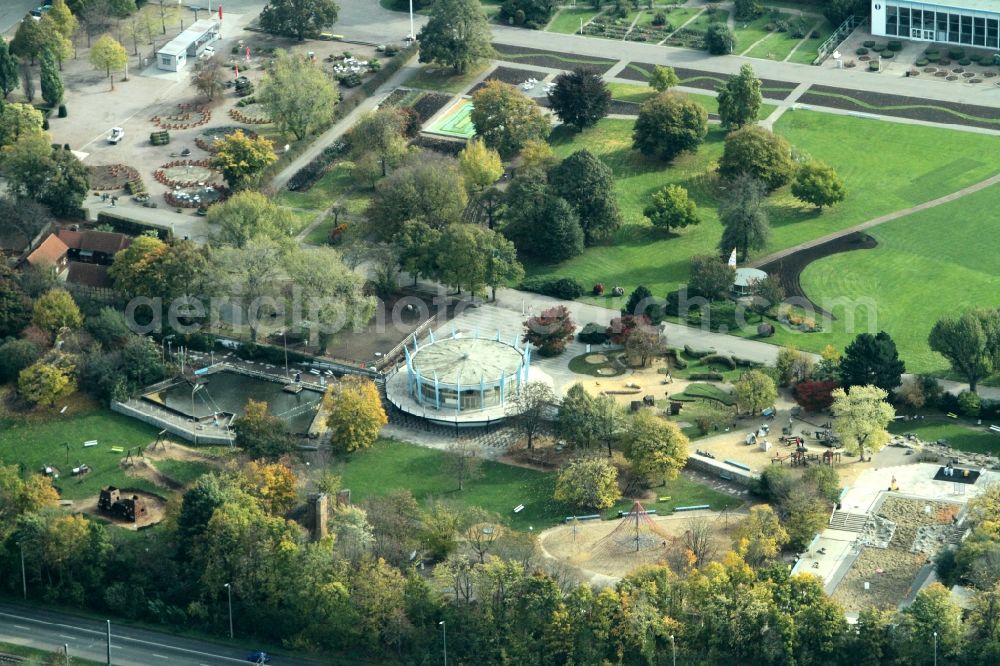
247	115
111	176
206	139
162	176
196	197
186	117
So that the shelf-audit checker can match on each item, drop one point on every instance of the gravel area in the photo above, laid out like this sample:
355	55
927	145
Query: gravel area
694	78
553	59
903	107
891	572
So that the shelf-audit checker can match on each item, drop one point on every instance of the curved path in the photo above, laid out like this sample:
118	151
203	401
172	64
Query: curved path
874	222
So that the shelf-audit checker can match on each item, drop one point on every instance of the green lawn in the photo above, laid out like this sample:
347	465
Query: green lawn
336	186
183	471
777	46
639	254
705	391
392	465
748	32
37	444
807	51
444	79
630	92
678	16
927	265
701	23
35	656
962	436
567	21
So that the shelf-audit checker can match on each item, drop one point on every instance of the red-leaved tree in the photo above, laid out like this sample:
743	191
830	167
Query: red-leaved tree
622	327
550	331
813	395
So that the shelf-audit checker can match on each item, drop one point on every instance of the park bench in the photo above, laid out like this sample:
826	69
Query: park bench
649	512
592	516
118	449
738	464
726	476
995	429
952	415
693	507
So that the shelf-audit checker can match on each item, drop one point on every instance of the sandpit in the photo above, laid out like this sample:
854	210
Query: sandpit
596	359
156	510
587	546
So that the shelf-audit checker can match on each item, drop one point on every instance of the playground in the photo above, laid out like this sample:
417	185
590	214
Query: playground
455	122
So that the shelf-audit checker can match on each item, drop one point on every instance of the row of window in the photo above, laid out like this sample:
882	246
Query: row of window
942	26
470	399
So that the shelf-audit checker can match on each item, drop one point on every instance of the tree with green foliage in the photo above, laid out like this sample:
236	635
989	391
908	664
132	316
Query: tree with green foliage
933	612
108	55
719	39
838	11
133	270
710	277
767	293
668	125
758	153
744	221
297	94
755	390
663	78
9	79
760	537
505	119
416	244
55	310
819	184
456	35
28	41
333	294
540	224
588	185
502	266
15	304
970	342
528	408
426	188
872	359
382	133
532	14
261	435
747	10
670	208
481	166
56	44
44	383
656	447
580	98
26	164
354	414
242	158
209	77
300	19
575	422
251	273
52	85
588	483
63	18
15	356
67	184
861	415
19	120
247	215
740	99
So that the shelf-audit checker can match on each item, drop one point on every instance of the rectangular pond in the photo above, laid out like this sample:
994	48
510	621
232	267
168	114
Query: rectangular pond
227	392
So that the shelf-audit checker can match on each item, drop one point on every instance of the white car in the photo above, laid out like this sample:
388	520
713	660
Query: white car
116	135
208	52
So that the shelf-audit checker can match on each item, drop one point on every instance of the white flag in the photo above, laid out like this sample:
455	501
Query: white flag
732	258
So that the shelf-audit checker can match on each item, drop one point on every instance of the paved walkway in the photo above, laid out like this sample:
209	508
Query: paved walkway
889	217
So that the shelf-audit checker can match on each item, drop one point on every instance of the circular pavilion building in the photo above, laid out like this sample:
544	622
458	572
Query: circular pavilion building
460	380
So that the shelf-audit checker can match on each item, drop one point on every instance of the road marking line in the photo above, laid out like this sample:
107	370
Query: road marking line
18	626
159	655
71	638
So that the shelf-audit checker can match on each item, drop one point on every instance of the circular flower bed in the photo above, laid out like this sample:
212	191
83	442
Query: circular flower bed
952	78
206	139
111	176
195	197
596	359
186	116
187	173
251	114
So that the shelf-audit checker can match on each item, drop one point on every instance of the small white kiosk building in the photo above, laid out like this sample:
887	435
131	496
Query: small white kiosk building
173	55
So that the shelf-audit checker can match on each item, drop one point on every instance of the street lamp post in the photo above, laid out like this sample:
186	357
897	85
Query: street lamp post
673	649
229	593
24	578
412	35
109	642
935	648
444	639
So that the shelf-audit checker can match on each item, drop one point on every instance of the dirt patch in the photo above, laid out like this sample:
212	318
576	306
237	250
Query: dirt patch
596	359
788	269
108	177
156	510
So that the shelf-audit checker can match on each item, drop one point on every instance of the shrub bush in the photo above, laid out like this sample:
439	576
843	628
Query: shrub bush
990	410
307	176
599	289
964	62
659	18
921	62
931	50
719	359
705	377
673	354
565	288
969	403
956	54
873	66
869	44
894	45
861	51
933	58
697	353
62	111
878	48
593	334
746	363
888	54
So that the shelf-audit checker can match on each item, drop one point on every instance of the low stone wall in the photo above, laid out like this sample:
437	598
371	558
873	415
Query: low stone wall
717	467
174	428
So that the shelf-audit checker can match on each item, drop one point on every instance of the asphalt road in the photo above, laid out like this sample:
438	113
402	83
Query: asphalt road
12	11
129	647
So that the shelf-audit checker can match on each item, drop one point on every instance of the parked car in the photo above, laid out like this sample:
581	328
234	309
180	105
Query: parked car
259	657
116	135
208	52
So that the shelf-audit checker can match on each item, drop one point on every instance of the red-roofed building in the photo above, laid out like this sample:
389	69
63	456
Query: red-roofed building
52	252
95	247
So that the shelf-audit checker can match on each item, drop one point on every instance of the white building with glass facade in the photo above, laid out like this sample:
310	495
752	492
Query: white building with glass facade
973	23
